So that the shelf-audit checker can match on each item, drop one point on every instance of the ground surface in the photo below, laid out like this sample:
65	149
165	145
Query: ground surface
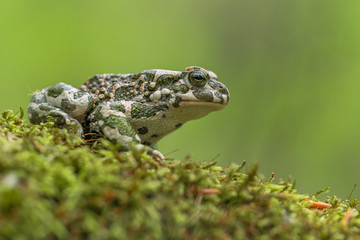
54	185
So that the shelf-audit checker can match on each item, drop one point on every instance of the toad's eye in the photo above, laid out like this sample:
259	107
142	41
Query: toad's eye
198	78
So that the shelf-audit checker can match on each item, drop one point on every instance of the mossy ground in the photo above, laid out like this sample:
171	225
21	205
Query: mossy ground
53	185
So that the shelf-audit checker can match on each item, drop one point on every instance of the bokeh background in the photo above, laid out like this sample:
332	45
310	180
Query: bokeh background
291	67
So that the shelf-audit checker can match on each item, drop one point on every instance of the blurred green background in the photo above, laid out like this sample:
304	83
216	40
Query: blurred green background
291	67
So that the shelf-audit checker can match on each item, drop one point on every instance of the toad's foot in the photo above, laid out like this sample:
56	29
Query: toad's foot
157	155
138	149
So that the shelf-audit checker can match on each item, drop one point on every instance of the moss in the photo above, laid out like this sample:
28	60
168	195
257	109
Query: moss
54	185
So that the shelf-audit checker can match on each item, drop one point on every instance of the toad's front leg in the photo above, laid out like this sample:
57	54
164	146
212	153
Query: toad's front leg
109	121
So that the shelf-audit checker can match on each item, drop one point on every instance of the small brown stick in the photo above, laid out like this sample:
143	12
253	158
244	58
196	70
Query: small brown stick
352	192
317	205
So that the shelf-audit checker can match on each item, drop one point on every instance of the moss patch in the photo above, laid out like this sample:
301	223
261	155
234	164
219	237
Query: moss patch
53	185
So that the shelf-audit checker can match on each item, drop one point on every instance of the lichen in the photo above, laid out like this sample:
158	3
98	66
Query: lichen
55	185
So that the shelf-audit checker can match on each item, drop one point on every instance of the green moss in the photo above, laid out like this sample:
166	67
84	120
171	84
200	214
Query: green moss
53	185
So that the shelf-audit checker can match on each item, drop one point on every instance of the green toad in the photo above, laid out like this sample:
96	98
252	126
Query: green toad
125	108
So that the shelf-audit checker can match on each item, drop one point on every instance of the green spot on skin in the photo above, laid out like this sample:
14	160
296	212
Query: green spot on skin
139	110
90	103
220	96
54	92
167	79
118	106
34	119
122	124
219	87
124	93
46	107
180	88
38	98
57	90
97	115
67	106
165	97
176	104
212	84
204	95
224	90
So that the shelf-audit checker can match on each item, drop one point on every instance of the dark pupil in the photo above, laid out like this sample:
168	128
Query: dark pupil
198	76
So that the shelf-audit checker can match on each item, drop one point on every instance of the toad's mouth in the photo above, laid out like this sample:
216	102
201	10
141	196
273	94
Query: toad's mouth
201	104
